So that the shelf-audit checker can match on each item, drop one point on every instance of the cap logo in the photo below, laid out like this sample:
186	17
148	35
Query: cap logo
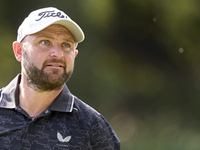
46	14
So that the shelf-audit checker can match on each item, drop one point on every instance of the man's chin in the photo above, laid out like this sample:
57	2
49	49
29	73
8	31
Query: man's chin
55	78
53	71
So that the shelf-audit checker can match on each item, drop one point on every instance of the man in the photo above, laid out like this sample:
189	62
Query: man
37	110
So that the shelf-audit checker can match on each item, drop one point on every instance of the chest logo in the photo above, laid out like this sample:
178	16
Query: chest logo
61	139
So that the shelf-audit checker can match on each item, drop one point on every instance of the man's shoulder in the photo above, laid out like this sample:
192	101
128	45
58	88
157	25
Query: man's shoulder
86	112
1	89
99	129
84	108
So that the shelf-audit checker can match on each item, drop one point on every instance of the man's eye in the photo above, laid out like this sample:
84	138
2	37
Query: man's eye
66	45
45	42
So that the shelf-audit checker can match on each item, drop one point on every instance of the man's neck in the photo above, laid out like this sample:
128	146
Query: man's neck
33	101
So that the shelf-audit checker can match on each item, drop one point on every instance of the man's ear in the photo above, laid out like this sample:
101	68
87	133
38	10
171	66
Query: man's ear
76	52
17	51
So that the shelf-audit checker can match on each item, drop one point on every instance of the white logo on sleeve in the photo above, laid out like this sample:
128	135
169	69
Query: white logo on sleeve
61	139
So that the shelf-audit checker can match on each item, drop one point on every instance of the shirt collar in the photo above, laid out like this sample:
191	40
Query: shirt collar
10	97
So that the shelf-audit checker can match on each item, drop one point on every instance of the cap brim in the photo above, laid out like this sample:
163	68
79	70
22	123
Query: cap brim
75	30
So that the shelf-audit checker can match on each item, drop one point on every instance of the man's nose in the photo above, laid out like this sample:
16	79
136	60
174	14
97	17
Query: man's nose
56	51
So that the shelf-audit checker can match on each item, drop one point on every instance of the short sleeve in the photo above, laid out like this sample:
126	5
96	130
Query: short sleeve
102	136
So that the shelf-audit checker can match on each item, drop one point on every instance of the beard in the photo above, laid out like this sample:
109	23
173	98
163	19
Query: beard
40	80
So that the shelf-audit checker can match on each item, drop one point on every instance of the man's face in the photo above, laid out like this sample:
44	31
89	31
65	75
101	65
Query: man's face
48	58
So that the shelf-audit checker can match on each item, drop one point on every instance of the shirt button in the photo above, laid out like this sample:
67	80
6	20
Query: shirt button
46	111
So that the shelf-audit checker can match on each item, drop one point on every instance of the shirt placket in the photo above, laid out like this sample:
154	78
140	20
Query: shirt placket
26	142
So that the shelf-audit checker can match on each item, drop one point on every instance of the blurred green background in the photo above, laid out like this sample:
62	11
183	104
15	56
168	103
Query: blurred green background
139	65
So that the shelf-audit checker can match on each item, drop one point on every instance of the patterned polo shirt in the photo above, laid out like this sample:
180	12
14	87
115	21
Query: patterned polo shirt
68	124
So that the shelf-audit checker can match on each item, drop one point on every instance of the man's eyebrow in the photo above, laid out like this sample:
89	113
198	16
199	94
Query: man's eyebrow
44	36
69	39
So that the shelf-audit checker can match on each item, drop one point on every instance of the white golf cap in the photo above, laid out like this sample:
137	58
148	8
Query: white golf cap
42	18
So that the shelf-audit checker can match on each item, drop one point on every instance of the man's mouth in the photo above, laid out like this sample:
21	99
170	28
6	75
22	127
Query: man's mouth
55	65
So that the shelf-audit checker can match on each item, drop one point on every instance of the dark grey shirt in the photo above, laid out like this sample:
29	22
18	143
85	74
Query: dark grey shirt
68	124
